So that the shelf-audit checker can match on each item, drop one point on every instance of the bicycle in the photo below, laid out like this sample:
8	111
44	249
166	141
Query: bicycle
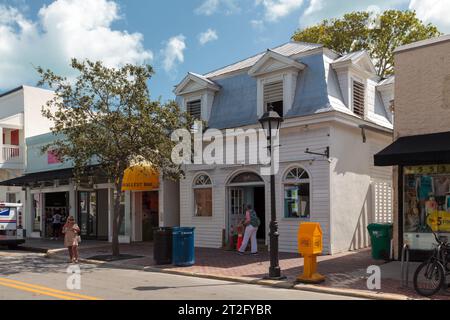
430	276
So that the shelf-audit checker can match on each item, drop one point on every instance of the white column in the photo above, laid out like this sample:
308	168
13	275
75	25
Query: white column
127	218
28	212
22	147
1	144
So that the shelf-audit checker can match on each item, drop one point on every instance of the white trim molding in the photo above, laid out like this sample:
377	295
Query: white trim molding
273	62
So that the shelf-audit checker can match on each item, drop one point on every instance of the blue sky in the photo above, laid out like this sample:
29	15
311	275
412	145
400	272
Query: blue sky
175	36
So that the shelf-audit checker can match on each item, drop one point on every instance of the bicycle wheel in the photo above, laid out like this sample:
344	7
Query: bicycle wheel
429	278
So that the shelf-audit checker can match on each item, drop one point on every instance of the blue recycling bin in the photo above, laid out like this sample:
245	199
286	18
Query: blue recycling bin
183	251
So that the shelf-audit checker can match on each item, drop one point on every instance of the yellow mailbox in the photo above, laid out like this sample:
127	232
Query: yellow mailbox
310	245
310	238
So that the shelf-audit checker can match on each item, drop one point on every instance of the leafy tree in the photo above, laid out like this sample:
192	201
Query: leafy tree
379	35
106	115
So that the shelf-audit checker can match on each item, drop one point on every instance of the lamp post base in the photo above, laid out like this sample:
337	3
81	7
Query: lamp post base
275	274
280	278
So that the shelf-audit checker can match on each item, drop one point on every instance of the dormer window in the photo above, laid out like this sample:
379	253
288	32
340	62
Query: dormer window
359	95
273	96
196	94
194	109
276	77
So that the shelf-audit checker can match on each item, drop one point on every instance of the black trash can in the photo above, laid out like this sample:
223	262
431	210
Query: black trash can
162	246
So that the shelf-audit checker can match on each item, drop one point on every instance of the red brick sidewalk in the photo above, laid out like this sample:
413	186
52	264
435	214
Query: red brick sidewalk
347	270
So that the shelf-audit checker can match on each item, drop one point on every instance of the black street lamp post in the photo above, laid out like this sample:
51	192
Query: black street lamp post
272	121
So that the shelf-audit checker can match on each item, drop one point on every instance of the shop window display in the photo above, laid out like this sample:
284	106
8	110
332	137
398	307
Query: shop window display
426	203
297	194
203	196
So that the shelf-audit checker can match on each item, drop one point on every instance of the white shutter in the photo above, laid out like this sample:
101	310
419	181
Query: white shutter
194	108
273	92
359	98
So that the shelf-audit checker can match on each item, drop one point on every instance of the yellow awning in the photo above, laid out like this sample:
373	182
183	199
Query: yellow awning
140	178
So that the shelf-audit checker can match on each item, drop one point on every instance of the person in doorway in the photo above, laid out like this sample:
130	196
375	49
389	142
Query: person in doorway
71	238
56	224
251	223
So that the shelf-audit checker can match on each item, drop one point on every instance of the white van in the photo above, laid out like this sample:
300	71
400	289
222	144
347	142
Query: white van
11	224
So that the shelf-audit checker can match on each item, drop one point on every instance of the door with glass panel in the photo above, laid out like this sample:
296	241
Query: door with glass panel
87	213
236	208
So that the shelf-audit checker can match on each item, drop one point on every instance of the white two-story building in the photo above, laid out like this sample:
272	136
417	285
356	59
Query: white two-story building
20	118
336	114
46	186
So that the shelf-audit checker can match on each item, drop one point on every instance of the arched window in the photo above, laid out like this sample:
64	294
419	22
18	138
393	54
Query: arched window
202	196
297	194
247	177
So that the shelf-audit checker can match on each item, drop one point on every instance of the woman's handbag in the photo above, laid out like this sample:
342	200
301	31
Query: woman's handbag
78	237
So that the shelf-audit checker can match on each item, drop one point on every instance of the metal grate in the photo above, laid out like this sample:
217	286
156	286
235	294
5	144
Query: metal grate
358	98
194	108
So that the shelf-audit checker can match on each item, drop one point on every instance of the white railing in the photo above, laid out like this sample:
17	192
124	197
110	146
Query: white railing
11	153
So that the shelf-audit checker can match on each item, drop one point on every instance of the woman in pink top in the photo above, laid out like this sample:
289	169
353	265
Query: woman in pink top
252	223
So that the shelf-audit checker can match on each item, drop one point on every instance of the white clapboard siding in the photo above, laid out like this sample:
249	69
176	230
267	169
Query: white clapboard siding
208	230
320	184
294	144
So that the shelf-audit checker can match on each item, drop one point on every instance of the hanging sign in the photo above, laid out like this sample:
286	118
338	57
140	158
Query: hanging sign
427	169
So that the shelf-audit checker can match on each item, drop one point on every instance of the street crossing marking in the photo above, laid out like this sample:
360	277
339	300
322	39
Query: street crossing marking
44	290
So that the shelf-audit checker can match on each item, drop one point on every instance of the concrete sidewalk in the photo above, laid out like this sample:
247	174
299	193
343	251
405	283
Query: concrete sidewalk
47	245
345	273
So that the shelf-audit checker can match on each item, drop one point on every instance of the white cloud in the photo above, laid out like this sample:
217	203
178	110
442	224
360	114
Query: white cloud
327	9
64	29
276	9
209	7
173	53
434	11
257	24
314	6
207	36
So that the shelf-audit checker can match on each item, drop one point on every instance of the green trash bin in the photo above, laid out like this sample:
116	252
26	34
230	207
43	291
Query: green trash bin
381	236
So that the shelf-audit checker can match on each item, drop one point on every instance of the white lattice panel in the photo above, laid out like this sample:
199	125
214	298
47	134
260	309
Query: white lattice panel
383	202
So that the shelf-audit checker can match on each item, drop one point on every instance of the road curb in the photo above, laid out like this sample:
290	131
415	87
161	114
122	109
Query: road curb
269	283
32	249
352	292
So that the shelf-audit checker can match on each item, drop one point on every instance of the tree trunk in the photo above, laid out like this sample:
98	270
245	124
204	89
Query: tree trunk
117	219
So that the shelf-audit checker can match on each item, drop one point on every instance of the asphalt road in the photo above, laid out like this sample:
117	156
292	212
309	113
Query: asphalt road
31	276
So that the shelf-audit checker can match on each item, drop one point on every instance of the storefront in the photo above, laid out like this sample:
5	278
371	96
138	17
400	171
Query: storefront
143	184
423	189
54	192
426	204
246	188
93	211
56	203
